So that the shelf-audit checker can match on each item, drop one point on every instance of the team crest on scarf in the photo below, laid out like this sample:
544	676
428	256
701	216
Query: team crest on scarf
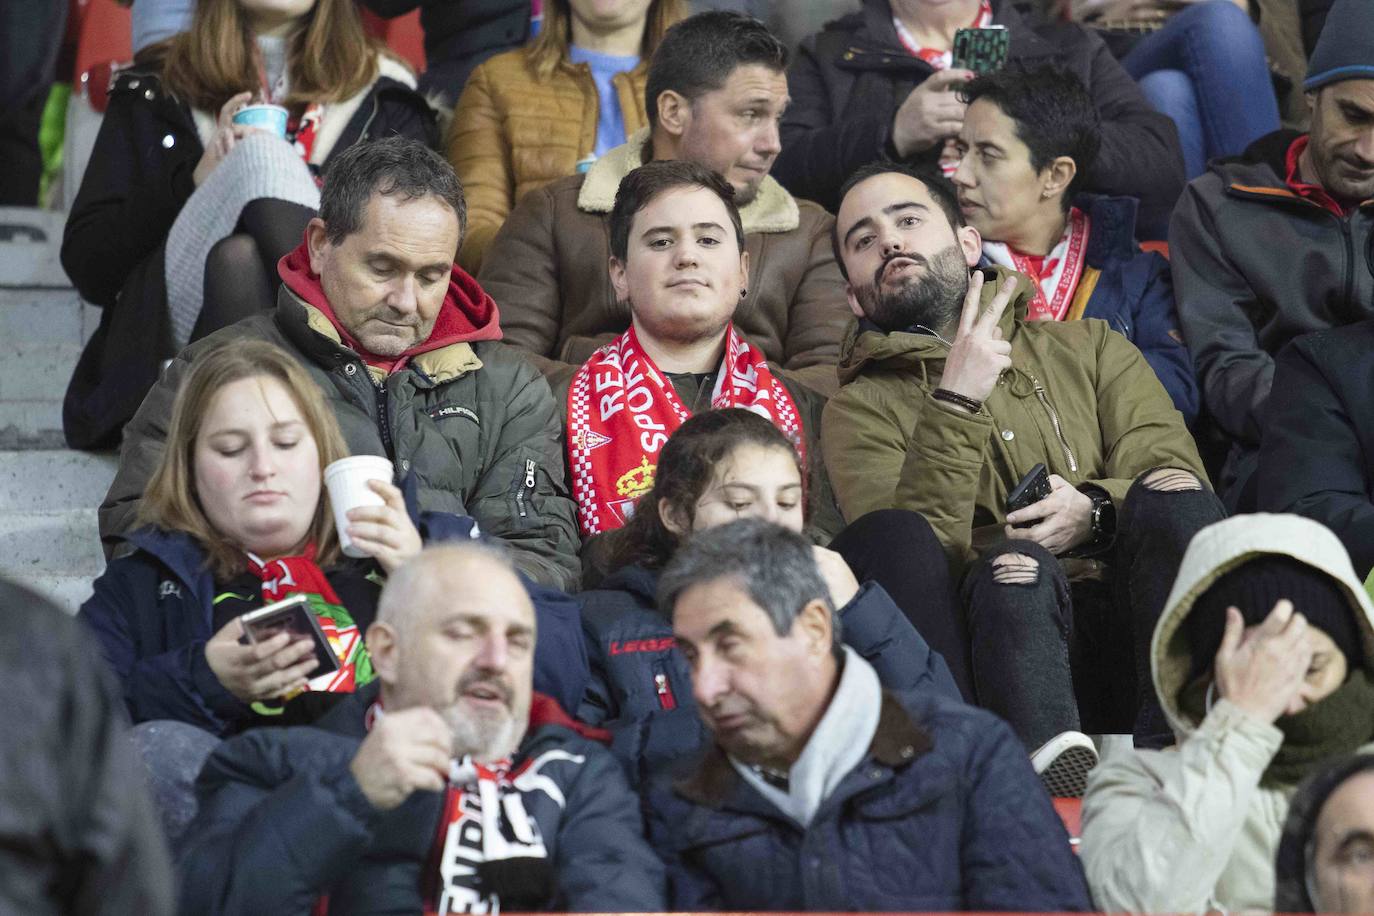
621	411
1056	275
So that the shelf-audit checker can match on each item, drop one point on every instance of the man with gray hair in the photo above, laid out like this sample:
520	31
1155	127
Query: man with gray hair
406	348
445	786
822	791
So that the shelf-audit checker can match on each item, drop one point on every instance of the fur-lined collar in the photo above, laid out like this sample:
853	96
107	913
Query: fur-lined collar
773	210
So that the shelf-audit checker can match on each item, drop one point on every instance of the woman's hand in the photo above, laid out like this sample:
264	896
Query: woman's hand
836	574
227	134
263	671
385	532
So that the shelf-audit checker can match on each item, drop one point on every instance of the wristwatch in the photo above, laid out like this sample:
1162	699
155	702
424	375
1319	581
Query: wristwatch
1103	517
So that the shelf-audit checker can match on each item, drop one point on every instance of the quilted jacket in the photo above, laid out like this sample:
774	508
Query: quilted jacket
513	132
943	814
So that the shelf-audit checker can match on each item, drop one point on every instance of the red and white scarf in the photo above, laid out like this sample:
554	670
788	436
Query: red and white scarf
1056	275
938	59
621	411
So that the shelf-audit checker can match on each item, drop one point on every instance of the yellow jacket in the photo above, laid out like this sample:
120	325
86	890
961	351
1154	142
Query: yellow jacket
513	132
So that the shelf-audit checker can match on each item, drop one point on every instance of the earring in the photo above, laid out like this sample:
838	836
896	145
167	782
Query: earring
744	291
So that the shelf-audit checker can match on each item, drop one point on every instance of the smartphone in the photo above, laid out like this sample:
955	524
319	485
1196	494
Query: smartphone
1034	487
291	615
981	50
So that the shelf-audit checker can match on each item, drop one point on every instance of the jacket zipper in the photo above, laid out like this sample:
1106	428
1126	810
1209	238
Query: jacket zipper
383	419
666	700
1058	429
1349	258
526	489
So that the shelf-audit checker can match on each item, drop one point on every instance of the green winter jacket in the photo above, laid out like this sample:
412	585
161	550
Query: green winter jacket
475	422
1079	398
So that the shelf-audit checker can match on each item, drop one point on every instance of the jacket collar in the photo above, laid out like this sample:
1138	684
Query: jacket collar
898	742
316	336
773	210
1112	237
176	550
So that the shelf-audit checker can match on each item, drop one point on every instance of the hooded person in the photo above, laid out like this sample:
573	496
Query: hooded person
407	349
1259	661
1324	863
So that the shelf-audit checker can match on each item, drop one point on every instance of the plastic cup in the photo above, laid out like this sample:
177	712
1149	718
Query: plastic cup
346	480
271	118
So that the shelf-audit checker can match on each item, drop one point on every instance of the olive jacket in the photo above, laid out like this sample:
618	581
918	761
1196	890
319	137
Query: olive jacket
1079	398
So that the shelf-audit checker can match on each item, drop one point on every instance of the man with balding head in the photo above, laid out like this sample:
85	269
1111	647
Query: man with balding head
445	786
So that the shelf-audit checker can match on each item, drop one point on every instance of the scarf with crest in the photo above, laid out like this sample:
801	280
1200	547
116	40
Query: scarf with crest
622	409
1056	275
287	576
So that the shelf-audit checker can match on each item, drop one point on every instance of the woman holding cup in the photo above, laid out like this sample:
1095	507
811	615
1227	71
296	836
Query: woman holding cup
236	519
204	174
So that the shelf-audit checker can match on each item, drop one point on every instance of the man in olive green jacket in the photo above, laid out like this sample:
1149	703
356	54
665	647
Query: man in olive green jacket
950	397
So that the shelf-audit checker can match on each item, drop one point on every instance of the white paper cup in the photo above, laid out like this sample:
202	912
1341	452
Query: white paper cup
346	480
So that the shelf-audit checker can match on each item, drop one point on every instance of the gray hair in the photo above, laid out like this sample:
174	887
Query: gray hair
391	166
409	588
775	566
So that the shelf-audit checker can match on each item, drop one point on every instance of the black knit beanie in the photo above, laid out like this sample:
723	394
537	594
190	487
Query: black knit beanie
1345	50
1254	588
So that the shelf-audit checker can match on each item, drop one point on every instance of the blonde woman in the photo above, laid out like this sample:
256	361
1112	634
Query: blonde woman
541	112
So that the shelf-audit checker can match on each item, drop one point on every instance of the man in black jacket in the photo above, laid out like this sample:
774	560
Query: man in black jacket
446	787
878	84
1277	243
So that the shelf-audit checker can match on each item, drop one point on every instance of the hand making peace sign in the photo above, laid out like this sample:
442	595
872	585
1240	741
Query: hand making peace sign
979	354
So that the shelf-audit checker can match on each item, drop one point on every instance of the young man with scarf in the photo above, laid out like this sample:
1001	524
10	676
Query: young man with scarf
1261	661
1026	142
820	790
406	347
951	397
447	786
678	261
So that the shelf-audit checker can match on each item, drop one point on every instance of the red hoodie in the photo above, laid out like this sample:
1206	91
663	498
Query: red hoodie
467	315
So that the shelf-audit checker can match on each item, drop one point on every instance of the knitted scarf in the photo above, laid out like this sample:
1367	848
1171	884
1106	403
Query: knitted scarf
1332	727
622	409
288	576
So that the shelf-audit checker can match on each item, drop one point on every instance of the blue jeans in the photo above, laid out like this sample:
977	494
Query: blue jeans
1206	70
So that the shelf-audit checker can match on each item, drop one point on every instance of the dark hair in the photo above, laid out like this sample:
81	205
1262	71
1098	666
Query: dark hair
1053	114
775	566
698	55
685	468
941	191
395	165
639	188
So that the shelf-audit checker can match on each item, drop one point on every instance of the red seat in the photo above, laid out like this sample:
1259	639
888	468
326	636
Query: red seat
104	42
1161	247
402	35
1070	811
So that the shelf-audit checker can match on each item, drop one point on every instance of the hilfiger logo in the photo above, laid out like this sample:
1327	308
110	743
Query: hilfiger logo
439	413
643	645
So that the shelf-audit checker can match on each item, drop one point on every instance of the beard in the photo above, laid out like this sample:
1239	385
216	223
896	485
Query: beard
483	734
933	299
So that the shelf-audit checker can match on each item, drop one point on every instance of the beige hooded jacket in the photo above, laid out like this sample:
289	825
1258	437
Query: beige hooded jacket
1190	829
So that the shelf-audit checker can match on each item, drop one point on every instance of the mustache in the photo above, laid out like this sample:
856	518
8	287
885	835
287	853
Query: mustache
494	683
916	259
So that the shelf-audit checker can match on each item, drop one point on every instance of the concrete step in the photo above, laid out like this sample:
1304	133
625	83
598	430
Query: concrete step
53	480
67	592
45	543
30	245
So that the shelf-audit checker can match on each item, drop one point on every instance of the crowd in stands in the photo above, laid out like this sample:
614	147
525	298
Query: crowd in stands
798	459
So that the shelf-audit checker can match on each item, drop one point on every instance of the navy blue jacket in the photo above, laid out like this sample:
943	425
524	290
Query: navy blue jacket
1133	291
283	822
640	686
152	613
943	814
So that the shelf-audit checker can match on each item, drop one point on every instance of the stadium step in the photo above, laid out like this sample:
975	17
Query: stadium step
48	494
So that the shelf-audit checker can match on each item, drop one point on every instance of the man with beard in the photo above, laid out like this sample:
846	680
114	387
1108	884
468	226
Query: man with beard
446	786
950	398
1277	243
717	86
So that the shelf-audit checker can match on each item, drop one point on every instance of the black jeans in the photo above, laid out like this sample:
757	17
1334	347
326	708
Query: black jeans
30	37
1050	656
899	550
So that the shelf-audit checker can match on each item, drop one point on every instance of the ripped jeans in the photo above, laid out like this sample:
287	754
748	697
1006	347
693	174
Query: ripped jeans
1050	656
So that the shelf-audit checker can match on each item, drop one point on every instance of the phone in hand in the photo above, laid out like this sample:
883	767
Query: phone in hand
291	615
1034	487
981	50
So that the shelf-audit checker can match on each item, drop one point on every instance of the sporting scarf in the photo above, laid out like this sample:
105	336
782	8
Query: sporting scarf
938	59
288	576
1056	275
621	411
